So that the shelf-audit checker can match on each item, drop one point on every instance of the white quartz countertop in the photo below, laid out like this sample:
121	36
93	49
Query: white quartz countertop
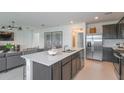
46	59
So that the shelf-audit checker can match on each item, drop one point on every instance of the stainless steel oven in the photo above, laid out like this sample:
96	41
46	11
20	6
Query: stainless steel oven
117	64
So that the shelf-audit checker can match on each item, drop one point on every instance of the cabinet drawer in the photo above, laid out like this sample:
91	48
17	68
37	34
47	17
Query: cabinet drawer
66	60
75	55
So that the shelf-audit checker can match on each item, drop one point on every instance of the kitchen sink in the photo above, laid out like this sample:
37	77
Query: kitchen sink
69	51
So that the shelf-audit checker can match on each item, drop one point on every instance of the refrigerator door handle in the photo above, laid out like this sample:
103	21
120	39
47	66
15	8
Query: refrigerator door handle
92	46
89	44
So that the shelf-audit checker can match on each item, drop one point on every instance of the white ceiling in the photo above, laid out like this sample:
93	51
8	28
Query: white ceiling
49	19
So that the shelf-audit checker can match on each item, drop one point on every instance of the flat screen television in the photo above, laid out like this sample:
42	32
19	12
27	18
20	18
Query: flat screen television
6	36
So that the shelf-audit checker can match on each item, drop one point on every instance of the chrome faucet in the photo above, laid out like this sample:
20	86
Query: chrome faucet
65	47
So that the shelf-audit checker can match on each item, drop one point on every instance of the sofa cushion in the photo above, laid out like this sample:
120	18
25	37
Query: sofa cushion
13	54
2	55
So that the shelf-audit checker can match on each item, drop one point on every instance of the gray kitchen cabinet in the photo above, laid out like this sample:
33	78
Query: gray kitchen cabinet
120	29
66	71
122	70
66	68
78	63
82	58
74	67
108	54
53	39
109	31
2	62
56	71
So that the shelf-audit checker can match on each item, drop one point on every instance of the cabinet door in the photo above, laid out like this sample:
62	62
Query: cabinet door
57	39
122	70
74	67
108	54
120	30
78	63
109	31
82	58
66	71
56	71
47	40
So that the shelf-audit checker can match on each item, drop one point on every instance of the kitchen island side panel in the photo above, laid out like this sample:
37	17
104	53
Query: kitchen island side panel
41	72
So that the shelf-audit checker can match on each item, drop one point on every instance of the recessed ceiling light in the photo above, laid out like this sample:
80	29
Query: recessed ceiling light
107	13
42	25
71	22
96	17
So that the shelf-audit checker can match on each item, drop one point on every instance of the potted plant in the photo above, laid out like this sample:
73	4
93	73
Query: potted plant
8	47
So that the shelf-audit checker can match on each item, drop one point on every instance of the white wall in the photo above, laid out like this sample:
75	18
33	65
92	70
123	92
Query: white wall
99	25
67	33
22	37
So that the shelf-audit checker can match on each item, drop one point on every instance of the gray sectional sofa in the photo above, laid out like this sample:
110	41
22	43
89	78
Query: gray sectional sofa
2	62
12	60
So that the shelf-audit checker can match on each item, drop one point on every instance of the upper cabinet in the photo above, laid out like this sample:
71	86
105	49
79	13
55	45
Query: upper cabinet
114	31
109	31
120	29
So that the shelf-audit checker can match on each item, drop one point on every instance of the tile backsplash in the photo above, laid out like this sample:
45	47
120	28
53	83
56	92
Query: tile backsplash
112	42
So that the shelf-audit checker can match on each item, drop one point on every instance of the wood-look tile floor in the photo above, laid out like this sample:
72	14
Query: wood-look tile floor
95	70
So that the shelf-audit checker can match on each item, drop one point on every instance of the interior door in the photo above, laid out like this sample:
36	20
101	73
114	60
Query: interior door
97	53
47	40
80	40
57	39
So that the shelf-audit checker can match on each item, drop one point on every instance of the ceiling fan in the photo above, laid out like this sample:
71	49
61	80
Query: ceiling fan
11	27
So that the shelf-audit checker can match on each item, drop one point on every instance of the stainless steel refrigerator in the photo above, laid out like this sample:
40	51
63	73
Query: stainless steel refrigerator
94	48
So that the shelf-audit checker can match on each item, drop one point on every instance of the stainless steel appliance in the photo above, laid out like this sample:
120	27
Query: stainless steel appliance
94	48
117	64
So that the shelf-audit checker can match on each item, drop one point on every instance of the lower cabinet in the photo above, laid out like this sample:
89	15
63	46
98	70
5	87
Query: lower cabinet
82	58
108	54
66	71
78	63
74	67
122	70
56	71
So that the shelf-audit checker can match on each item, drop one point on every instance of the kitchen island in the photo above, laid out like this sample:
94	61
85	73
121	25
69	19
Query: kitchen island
62	66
